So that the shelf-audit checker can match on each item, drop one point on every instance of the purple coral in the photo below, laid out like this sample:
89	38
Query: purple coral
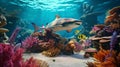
78	47
87	43
113	40
14	34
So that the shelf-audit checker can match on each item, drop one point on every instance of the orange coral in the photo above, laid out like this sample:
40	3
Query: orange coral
52	52
101	55
114	15
103	61
110	62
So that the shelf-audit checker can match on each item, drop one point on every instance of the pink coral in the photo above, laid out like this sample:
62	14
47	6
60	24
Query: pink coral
29	42
11	58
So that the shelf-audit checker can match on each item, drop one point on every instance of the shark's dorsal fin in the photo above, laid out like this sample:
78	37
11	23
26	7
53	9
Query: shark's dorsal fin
57	16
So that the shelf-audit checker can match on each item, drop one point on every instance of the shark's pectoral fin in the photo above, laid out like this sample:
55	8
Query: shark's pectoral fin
68	30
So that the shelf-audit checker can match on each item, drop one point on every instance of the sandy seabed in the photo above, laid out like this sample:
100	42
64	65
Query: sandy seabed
75	60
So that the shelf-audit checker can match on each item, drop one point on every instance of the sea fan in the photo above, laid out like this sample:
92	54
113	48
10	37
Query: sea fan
29	42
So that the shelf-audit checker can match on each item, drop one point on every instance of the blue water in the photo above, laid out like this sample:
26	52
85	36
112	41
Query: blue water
42	12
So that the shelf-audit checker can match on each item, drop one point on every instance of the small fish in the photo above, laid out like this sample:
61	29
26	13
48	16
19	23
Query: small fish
64	24
77	31
82	36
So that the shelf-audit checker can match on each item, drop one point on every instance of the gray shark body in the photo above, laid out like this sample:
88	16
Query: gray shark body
64	24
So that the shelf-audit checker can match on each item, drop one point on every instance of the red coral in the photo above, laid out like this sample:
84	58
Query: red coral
31	63
17	58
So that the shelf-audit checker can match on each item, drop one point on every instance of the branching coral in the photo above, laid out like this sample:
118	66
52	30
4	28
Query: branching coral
101	55
29	42
103	59
114	15
11	58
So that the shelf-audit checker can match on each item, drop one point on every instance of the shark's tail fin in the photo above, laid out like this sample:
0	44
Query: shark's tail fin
36	28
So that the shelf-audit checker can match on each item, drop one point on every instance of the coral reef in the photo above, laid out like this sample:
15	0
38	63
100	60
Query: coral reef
52	52
51	44
103	60
109	55
13	58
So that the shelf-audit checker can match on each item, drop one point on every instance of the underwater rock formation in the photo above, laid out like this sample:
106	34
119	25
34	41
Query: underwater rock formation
51	44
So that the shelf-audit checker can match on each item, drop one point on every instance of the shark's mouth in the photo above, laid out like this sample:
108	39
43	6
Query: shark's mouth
78	23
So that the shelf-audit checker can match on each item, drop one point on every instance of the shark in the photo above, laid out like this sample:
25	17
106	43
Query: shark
67	24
